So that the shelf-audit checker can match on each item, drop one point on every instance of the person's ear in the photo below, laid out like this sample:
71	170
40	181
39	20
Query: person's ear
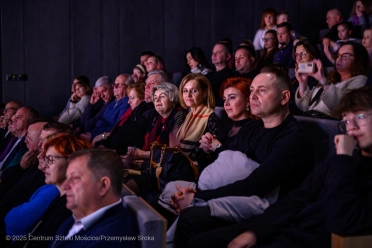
286	94
105	185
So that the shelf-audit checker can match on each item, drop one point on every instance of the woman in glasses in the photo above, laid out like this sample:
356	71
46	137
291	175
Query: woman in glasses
350	70
46	210
271	44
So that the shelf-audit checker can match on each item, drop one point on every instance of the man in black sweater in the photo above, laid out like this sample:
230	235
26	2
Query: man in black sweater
276	142
335	198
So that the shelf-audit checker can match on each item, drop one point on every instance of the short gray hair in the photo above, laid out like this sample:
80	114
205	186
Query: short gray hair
163	76
169	89
105	80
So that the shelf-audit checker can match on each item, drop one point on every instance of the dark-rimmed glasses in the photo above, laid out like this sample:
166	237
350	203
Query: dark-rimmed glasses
50	159
301	55
344	56
359	120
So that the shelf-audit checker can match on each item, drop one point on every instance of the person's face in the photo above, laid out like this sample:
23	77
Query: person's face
281	18
283	36
80	90
332	19
32	137
359	8
191	62
343	32
151	81
9	111
367	39
235	104
138	75
219	55
162	103
269	41
20	120
302	55
345	64
106	93
2	123
55	173
265	97
151	64
134	100
73	85
362	134
192	94
269	20
81	188
43	135
143	59
120	88
243	61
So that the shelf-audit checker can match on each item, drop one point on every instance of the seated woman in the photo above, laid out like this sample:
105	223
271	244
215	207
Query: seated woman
196	94
361	13
139	73
165	120
235	93
79	100
304	51
46	210
132	126
350	71
197	62
271	44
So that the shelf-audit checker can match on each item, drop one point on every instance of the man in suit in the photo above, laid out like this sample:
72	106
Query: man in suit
93	186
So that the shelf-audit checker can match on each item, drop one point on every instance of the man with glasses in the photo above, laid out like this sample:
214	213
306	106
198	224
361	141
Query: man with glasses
284	54
244	62
114	110
335	198
10	109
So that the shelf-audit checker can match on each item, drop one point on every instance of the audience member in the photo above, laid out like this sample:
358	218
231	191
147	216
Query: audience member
93	187
334	17
361	13
281	17
268	21
271	45
350	71
144	56
197	62
367	43
139	73
245	62
335	198
276	142
284	54
10	109
154	63
154	78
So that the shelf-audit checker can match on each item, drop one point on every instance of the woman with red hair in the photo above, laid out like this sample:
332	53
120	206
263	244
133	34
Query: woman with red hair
268	22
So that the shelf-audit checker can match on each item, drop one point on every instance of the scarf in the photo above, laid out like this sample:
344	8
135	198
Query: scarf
193	128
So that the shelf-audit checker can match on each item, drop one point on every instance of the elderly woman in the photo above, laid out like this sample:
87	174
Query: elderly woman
196	94
350	70
132	126
46	210
164	123
78	102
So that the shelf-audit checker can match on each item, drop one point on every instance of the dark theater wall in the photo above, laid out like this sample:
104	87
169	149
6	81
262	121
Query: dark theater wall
53	41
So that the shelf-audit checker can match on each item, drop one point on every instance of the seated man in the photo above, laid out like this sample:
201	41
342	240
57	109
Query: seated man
93	187
335	198
245	61
284	54
276	142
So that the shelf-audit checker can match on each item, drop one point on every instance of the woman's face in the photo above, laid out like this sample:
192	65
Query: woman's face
134	100
191	62
367	39
138	75
269	41
80	90
192	94
269	20
359	8
302	55
343	32
151	64
162	103
235	104
345	59
55	173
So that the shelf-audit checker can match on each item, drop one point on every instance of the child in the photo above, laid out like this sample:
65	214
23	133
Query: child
367	43
344	32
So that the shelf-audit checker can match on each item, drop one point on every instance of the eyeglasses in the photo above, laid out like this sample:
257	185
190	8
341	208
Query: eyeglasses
267	39
301	55
7	109
360	5
18	117
359	120
344	56
117	85
50	159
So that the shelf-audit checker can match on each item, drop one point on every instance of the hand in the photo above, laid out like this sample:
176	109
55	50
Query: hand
319	74
345	144
326	42
28	159
302	78
205	142
135	78
96	139
244	240
214	143
182	198
95	98
86	136
74	97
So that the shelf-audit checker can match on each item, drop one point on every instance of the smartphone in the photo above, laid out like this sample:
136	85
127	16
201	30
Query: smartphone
308	67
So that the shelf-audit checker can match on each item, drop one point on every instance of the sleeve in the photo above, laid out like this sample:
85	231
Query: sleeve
179	118
75	111
285	162
257	40
303	102
346	211
214	125
20	220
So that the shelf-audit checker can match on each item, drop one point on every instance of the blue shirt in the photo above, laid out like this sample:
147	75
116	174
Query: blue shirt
284	56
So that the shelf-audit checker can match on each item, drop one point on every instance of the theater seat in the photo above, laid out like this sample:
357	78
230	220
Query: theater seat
150	226
362	241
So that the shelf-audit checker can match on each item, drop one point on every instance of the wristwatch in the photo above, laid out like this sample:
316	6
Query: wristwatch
218	146
103	135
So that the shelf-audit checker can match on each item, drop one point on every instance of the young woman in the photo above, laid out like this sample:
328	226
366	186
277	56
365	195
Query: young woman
268	22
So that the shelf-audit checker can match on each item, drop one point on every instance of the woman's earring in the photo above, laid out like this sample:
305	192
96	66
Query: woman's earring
247	108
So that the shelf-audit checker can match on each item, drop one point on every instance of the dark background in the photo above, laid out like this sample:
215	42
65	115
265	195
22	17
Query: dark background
52	41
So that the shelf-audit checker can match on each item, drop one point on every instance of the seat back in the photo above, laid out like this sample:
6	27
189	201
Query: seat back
150	226
321	132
